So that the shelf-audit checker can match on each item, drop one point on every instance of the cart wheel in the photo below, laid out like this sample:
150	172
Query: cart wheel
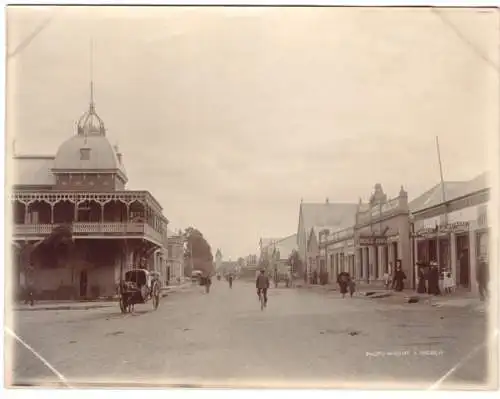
124	306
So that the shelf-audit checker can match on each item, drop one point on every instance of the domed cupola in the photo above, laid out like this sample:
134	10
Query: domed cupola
88	161
90	124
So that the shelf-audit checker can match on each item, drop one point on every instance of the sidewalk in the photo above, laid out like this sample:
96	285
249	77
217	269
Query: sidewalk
88	304
65	305
377	290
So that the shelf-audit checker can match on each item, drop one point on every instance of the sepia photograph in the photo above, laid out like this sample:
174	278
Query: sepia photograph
251	197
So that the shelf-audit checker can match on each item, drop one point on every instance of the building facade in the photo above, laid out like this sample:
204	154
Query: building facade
330	216
84	186
338	252
382	236
370	246
455	234
175	258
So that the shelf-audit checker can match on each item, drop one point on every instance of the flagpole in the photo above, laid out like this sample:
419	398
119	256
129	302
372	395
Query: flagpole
443	199
443	192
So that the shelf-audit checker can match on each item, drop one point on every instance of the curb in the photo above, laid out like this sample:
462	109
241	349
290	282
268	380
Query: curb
34	309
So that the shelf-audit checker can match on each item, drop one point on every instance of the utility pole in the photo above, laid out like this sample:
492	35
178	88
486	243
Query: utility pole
443	198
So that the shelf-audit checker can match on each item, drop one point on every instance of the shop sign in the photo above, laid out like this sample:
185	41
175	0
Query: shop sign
372	240
350	243
456	227
462	215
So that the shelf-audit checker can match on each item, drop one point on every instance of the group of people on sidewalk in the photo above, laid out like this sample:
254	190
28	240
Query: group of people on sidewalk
429	279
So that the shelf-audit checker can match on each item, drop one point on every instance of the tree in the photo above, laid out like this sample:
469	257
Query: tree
197	251
58	247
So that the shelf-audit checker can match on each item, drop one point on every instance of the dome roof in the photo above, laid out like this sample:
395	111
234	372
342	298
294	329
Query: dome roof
90	149
89	153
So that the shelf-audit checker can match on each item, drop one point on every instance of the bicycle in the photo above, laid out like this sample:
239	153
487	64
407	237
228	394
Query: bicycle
262	300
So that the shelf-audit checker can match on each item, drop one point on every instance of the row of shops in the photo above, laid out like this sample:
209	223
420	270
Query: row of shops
454	234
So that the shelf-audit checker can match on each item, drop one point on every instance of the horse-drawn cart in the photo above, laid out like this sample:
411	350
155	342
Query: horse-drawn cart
139	286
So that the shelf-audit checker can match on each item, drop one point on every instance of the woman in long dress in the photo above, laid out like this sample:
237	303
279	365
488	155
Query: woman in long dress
421	280
343	282
399	277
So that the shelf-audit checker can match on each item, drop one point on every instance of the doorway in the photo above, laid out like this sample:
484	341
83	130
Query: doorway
463	261
395	254
83	283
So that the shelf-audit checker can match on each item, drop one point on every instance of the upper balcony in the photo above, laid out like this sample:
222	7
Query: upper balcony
128	214
83	230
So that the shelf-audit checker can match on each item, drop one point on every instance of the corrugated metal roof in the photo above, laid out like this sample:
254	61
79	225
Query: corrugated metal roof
452	190
33	170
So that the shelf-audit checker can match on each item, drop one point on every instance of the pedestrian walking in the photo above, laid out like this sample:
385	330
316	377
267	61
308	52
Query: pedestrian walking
421	289
482	278
433	279
352	287
399	277
343	282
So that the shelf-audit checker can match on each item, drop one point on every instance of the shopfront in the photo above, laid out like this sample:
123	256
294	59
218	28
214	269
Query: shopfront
338	247
382	236
454	234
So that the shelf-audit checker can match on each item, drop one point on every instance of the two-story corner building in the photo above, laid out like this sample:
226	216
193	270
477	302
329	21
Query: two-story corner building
382	235
175	257
84	185
455	232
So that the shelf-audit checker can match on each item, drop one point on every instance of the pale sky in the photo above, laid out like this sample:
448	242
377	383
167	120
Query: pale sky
230	116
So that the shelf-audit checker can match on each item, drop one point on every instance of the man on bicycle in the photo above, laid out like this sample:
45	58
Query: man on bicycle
262	285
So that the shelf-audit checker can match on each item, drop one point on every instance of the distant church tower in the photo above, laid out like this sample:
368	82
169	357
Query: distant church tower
218	259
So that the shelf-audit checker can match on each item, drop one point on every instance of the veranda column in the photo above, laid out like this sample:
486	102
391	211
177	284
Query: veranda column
371	262
382	261
453	256
473	262
26	213
366	272
390	256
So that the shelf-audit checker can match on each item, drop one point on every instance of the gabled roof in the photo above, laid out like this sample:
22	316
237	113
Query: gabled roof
33	170
267	241
452	190
334	216
286	246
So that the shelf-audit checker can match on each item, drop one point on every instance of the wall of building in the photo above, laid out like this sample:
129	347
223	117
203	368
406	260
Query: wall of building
86	181
467	229
375	259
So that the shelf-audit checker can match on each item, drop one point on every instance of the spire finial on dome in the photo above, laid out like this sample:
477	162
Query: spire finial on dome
92	104
90	124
